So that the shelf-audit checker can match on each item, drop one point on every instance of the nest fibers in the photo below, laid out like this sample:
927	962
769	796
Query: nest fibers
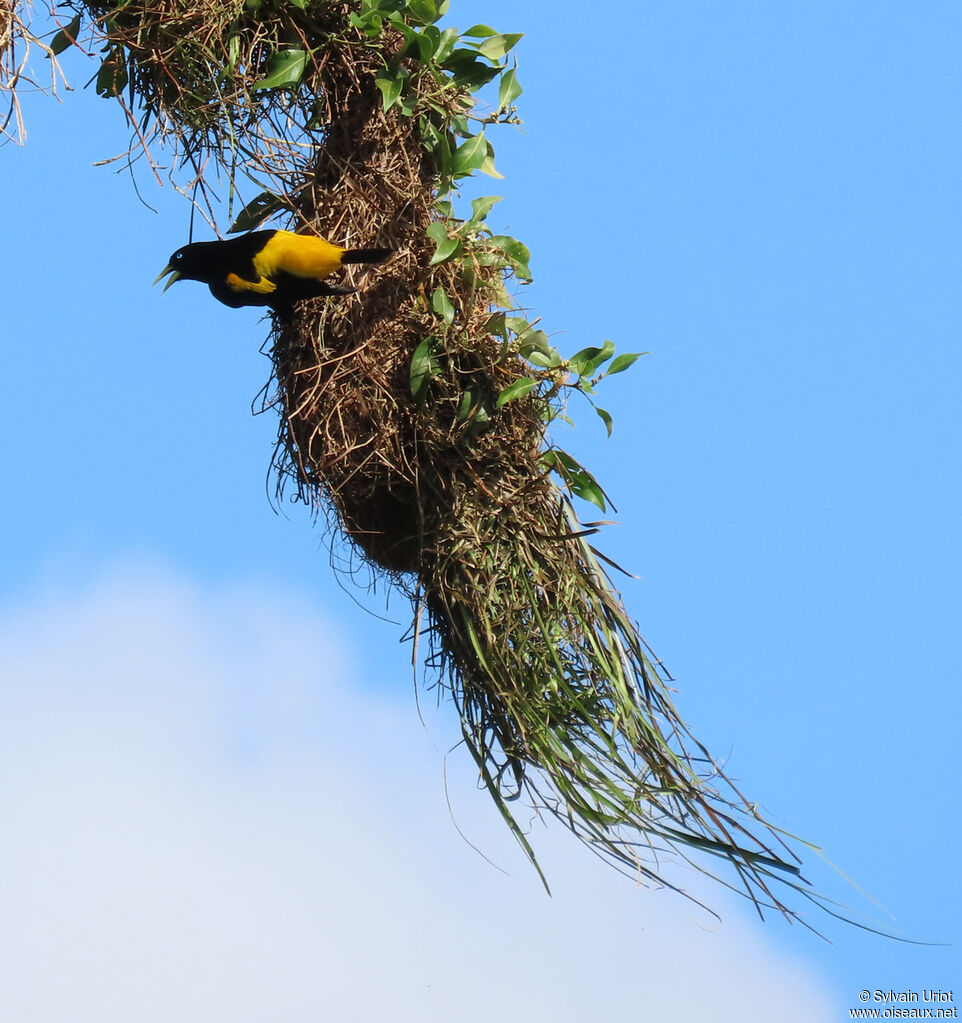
390	420
16	43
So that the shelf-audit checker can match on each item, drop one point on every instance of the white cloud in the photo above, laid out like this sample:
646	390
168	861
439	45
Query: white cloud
205	818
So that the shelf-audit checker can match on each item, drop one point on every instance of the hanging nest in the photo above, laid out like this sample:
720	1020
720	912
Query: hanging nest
415	412
390	418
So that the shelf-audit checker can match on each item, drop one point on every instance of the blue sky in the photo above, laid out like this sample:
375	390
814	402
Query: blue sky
765	199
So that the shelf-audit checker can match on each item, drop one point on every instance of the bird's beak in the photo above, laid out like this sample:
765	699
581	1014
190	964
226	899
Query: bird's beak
174	276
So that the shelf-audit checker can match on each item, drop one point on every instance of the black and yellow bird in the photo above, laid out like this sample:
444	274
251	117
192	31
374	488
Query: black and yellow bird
266	268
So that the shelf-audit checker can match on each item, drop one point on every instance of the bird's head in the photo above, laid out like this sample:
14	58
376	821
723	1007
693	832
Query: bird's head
187	263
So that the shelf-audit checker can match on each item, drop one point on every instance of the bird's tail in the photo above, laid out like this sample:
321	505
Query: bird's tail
365	255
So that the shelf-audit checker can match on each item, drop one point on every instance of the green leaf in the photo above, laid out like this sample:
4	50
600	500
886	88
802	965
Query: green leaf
424	365
444	156
579	360
509	89
469	156
537	342
474	76
496	325
588	490
445	250
585	362
419	44
426	11
460	57
257	211
301	5
112	76
497	46
518	389
472	408
512	248
546	360
487	167
464	405
622	362
437	232
533	343
233	52
469	278
581	483
369	22
441	304
480	208
66	37
479	32
516	253
285	68
449	38
433	35
390	87
605	417
458	123
467	70
607	350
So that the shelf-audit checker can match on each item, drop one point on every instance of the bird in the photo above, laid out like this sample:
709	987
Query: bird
266	268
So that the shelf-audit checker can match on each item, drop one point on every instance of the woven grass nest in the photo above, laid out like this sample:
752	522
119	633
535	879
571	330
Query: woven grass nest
393	414
449	496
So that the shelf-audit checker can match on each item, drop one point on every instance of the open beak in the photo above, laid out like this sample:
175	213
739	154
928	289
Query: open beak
174	276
